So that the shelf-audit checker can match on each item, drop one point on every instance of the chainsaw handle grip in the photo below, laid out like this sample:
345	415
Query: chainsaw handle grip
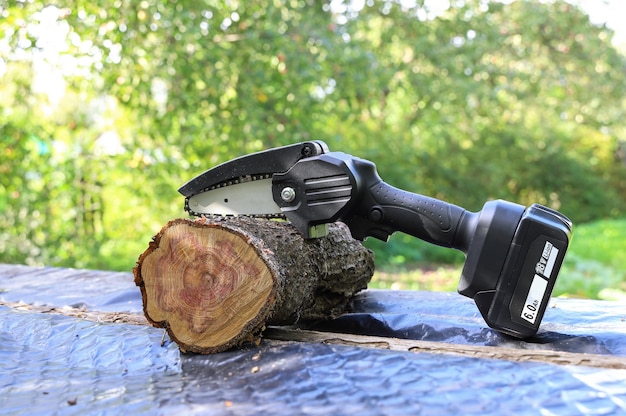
382	209
426	218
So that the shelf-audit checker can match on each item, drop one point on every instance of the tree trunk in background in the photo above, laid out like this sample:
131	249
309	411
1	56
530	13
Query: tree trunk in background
215	283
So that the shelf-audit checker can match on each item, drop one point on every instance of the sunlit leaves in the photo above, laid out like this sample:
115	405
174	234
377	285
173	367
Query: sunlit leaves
522	101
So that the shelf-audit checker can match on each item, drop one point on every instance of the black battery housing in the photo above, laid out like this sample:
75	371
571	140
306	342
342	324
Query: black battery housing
515	300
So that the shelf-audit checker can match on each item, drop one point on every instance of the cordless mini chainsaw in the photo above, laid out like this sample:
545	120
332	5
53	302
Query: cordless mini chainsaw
513	253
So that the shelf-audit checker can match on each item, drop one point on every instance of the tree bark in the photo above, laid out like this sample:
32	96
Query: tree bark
215	283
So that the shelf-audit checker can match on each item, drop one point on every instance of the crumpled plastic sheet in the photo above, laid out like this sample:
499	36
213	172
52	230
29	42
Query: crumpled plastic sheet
52	364
573	325
93	289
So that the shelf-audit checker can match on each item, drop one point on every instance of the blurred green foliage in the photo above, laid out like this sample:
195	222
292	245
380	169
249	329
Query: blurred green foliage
602	241
107	107
594	266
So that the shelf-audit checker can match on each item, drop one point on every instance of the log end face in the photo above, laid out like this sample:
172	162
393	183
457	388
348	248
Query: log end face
208	285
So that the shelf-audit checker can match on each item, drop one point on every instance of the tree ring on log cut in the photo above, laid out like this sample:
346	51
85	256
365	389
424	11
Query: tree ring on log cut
210	286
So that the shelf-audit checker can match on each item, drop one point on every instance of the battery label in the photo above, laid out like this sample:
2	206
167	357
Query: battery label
548	258
534	298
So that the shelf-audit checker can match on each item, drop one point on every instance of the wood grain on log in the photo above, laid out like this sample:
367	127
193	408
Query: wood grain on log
215	283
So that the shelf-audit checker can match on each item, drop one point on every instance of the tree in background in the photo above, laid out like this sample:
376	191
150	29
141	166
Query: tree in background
108	107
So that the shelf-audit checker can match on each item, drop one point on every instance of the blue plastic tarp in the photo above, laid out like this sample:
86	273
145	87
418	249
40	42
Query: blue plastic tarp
52	364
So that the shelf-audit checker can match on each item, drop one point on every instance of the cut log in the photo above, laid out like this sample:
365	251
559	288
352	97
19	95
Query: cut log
215	283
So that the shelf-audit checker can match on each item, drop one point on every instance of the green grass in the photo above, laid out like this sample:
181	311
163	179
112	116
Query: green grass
434	277
602	241
594	268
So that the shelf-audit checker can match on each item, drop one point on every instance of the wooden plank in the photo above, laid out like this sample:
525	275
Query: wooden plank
475	351
277	333
82	313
